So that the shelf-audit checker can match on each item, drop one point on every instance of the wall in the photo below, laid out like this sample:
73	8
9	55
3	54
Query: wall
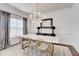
62	20
66	20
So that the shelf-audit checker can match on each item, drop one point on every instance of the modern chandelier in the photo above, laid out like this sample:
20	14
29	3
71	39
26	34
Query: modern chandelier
37	14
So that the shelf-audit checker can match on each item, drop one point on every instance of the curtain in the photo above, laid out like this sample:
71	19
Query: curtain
4	29
25	26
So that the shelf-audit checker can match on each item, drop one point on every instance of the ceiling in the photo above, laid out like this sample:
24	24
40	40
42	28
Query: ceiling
42	7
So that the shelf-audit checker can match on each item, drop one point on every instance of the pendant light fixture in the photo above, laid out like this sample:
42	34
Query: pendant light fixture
37	14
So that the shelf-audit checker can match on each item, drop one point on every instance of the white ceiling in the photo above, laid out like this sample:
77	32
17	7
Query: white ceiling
42	7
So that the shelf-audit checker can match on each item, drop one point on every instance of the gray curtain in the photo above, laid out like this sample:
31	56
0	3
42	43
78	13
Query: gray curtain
4	29
25	26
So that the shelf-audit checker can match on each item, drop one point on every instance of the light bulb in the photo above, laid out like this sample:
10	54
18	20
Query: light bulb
30	16
35	12
39	13
40	21
33	21
44	16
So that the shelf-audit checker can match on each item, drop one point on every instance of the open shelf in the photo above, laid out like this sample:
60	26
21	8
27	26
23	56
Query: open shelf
48	34
53	27
47	27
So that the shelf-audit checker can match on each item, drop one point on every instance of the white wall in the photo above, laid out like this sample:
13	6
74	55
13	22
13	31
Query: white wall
62	20
66	20
8	8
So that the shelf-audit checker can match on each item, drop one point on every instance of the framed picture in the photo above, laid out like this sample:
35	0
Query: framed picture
47	22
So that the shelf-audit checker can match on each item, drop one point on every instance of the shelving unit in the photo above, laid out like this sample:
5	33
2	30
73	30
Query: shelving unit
47	27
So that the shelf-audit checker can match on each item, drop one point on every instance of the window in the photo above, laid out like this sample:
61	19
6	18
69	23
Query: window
16	27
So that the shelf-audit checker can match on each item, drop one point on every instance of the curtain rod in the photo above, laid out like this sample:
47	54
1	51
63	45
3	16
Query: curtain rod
13	13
